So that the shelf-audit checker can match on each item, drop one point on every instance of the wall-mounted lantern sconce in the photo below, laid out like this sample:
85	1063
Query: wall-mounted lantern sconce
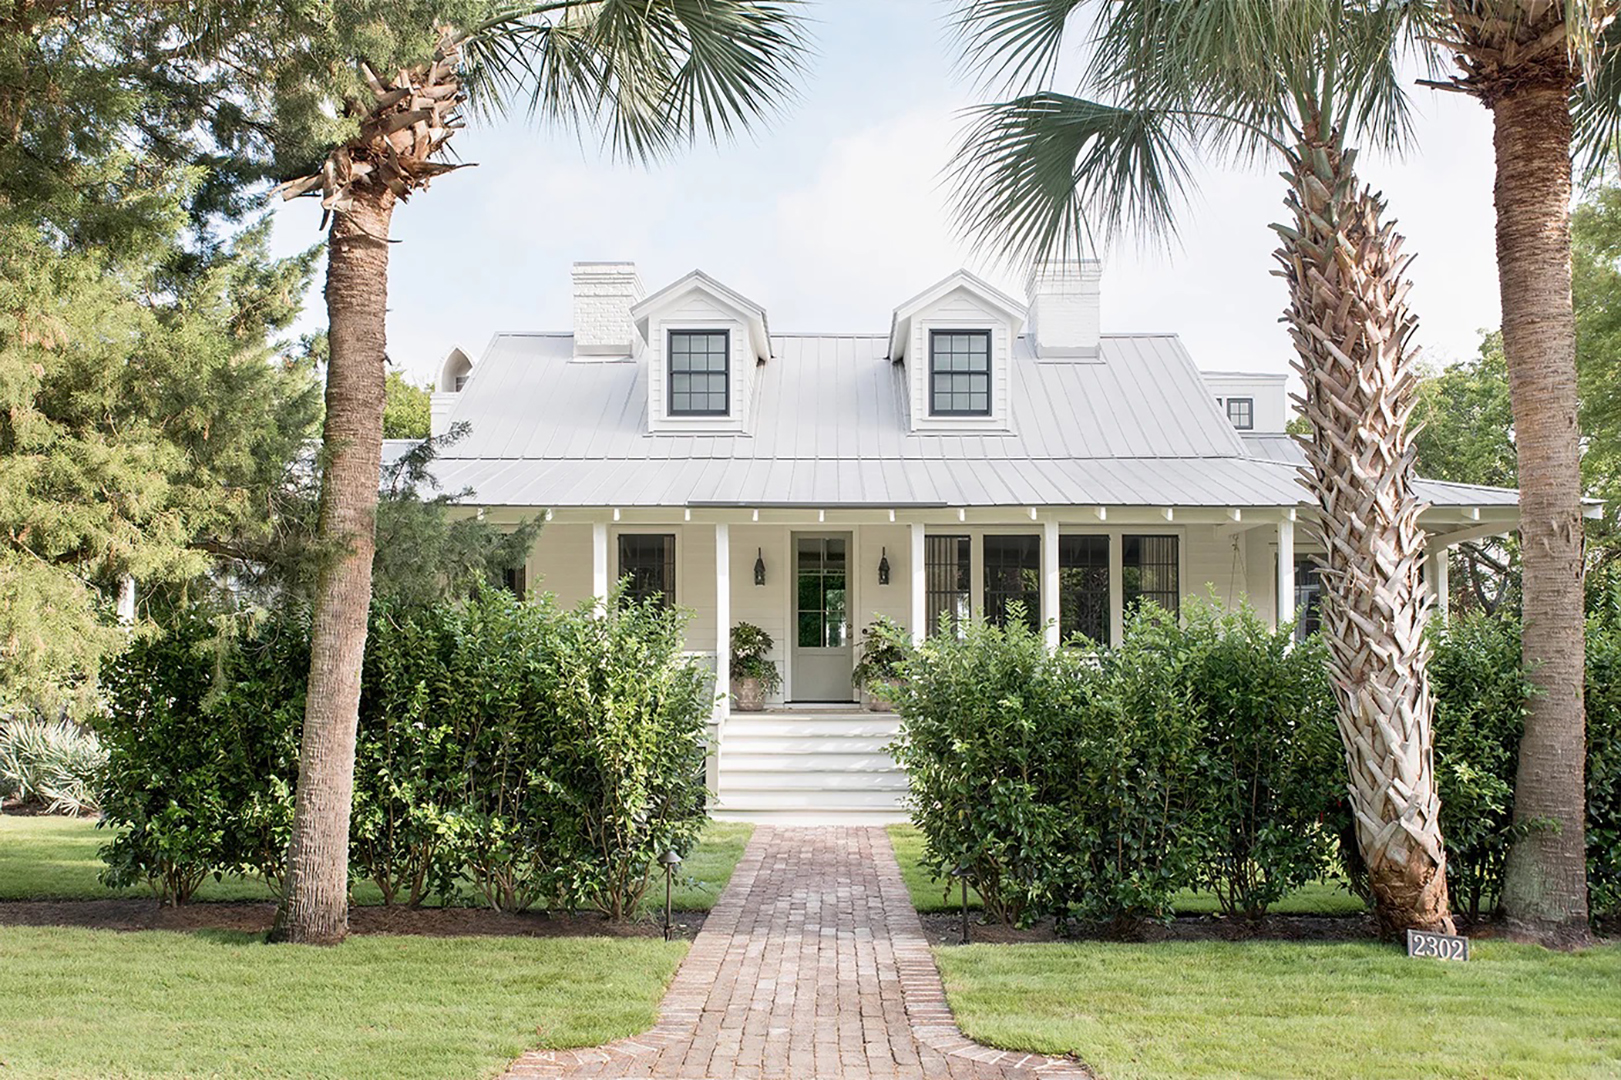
759	566
883	567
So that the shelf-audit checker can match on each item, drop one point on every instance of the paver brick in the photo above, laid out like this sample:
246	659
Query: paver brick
812	966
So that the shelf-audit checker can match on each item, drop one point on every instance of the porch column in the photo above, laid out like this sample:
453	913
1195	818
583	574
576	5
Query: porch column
1286	570
1049	584
599	561
723	621
1437	572
920	587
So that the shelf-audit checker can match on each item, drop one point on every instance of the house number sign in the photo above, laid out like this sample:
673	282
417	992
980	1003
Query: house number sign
1437	946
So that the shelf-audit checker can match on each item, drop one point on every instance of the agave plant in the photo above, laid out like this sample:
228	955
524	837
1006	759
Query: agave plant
54	764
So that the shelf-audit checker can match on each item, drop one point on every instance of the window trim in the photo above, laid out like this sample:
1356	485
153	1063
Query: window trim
669	370
1249	406
990	387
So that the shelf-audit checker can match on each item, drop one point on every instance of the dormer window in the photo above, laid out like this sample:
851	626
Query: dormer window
1241	411
960	372
700	372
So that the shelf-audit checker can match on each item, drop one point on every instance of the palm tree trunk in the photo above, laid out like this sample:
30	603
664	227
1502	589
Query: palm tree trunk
1545	885
316	907
1350	324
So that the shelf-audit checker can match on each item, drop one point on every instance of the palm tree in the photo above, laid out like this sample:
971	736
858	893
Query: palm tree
1527	61
651	75
1291	83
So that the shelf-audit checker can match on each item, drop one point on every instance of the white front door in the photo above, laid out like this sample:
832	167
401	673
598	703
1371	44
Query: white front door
822	657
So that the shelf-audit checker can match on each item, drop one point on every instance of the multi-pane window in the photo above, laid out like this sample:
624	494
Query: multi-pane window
699	372
1241	411
1083	587
824	616
648	561
947	582
1308	598
960	372
461	382
1150	570
1013	575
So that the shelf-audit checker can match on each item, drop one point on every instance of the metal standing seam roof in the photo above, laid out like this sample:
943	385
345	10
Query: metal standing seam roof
1133	426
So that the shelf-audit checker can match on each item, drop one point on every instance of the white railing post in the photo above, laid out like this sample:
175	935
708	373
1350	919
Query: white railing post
723	622
920	587
1286	570
599	561
1049	584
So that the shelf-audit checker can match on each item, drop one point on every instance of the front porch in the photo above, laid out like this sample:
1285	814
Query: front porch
814	578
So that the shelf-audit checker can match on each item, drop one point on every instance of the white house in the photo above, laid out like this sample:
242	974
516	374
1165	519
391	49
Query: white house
982	450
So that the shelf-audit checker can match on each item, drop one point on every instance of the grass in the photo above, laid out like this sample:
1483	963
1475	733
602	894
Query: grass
54	858
97	1003
928	893
1268	1009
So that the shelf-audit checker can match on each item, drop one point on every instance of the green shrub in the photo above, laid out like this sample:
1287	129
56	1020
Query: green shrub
750	646
1604	753
1136	804
407	757
986	742
1480	693
53	764
202	740
1272	765
624	764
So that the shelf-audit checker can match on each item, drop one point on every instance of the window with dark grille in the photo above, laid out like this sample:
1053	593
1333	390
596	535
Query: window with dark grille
947	582
960	372
648	561
1083	587
1241	411
1013	575
1308	598
1149	568
515	579
700	372
823	586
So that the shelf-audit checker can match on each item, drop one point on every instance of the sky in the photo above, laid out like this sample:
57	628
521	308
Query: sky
837	212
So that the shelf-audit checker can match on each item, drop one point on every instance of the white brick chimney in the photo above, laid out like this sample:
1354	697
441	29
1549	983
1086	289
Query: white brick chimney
1064	307
603	295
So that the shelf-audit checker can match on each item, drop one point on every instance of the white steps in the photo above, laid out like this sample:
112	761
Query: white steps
809	767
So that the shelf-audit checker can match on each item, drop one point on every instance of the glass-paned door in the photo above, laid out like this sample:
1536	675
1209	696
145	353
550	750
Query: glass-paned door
823	656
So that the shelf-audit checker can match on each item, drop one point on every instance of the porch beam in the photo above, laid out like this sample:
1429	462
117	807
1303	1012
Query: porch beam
920	596
1049	583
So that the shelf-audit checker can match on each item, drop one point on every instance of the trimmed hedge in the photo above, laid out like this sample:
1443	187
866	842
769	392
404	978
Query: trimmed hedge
535	755
1202	753
1097	783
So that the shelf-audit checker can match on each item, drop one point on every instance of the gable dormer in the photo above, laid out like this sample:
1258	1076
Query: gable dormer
702	345
955	340
453	376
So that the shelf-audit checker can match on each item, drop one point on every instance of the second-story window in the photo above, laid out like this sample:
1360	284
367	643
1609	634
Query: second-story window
960	372
700	373
1241	411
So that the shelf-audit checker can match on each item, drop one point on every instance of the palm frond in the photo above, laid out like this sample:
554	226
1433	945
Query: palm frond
1012	43
649	75
1049	173
1596	107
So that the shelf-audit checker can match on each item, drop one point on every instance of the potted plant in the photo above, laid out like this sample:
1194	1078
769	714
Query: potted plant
883	647
753	676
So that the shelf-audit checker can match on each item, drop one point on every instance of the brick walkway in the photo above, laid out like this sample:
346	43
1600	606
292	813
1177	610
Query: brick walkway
812	966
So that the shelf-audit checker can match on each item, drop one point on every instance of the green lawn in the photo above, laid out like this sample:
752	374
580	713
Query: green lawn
1318	898
1269	1009
54	858
97	1003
